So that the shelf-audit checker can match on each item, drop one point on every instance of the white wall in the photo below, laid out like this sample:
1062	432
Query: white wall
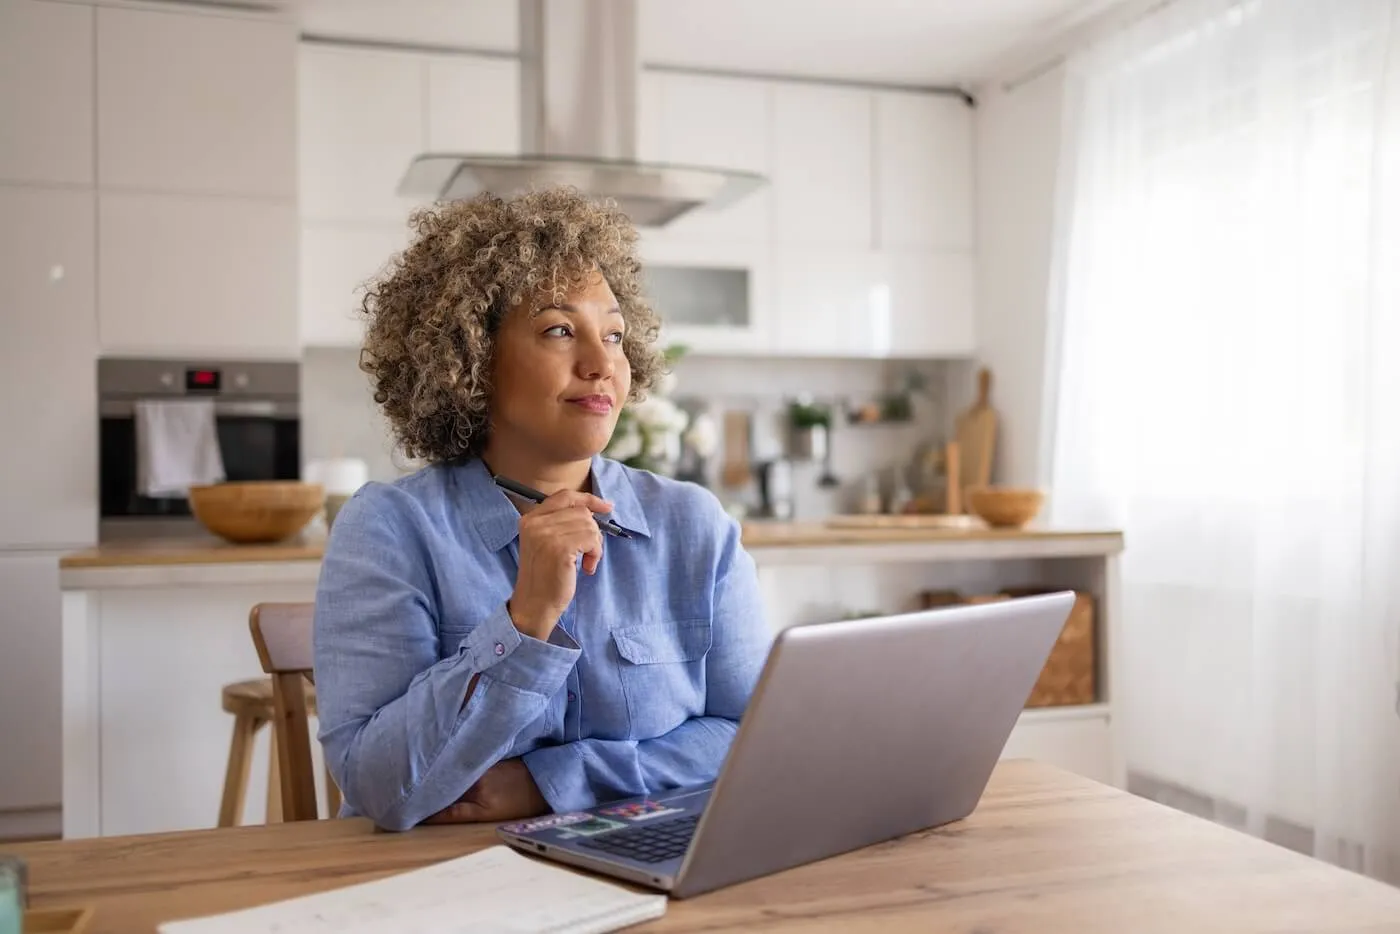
1018	150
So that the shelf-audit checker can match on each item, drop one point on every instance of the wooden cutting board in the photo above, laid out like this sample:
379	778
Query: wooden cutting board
976	434
904	521
737	468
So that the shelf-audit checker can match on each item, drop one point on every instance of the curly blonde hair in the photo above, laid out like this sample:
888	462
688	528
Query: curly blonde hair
434	311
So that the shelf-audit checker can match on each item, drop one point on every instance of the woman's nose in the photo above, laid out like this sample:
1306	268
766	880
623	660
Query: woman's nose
595	360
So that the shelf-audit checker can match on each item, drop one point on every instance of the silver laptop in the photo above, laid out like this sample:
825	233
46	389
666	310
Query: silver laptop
858	731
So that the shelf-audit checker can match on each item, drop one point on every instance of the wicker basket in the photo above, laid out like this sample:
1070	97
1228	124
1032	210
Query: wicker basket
1069	677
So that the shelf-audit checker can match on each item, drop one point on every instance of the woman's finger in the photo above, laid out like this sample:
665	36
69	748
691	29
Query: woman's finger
566	499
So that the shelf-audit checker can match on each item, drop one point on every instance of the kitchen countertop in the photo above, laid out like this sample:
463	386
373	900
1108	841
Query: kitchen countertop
770	533
204	550
759	534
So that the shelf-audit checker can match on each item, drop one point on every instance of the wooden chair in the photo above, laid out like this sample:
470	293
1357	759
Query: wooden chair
251	705
282	636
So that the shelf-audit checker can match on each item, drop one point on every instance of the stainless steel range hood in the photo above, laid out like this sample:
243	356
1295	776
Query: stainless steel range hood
579	114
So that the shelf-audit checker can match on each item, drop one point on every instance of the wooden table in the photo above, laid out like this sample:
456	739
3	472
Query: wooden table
1046	851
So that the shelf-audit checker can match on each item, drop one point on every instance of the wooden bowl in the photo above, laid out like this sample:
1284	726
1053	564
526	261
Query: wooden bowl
257	511
1005	507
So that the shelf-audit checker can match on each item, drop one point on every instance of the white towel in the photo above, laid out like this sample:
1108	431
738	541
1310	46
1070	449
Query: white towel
177	446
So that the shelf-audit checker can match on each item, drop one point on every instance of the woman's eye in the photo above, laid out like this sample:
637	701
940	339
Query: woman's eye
615	337
559	330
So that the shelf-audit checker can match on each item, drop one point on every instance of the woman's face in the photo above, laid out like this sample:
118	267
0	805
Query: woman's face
560	377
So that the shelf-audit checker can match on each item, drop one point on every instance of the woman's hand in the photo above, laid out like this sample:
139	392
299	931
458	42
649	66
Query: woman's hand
506	792
552	537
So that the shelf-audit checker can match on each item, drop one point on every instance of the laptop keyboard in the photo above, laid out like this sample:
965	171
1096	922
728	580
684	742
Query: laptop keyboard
651	843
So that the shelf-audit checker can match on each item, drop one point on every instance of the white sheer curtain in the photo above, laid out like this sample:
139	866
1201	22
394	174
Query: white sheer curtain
1225	387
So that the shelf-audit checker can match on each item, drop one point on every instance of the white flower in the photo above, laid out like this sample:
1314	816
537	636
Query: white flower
703	436
661	413
625	445
663	445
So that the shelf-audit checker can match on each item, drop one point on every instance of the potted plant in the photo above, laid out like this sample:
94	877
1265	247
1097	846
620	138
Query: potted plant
808	424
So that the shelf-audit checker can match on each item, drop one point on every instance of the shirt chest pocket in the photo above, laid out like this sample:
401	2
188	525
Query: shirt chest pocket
662	669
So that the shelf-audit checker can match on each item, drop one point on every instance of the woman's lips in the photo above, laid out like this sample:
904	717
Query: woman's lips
597	405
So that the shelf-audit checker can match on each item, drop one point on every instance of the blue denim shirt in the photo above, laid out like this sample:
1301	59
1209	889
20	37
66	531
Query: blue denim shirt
639	688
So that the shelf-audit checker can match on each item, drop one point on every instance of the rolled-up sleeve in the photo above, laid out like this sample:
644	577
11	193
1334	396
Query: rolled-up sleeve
400	737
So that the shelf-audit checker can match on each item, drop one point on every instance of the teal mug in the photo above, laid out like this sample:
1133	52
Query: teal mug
12	895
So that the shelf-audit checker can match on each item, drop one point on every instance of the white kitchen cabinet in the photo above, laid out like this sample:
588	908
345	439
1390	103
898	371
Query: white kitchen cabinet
931	303
711	297
46	92
923	171
31	684
822	175
185	275
832	302
715	122
649	120
473	104
48	339
873	214
336	262
907	304
194	103
362	119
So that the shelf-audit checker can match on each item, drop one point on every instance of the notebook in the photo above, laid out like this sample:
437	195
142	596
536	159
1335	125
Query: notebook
497	890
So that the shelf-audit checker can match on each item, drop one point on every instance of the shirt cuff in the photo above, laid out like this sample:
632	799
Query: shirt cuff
558	774
508	655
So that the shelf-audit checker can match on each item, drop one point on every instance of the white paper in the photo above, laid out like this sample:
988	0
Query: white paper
495	890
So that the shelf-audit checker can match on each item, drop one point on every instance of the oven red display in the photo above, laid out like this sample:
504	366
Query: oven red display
202	380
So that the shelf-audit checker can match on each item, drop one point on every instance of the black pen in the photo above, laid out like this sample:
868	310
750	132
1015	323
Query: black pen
535	496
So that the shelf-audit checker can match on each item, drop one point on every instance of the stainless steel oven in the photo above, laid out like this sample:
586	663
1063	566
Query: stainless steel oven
257	411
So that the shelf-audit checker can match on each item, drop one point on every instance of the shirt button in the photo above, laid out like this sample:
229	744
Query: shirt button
572	697
500	649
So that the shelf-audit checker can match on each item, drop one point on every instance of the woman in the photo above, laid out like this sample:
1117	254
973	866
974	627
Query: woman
481	658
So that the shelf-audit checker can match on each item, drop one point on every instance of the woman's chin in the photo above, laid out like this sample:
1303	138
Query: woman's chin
582	445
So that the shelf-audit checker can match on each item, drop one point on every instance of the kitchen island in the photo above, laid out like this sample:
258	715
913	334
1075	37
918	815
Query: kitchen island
153	630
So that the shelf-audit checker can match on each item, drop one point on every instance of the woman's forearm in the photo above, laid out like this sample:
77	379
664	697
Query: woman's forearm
415	755
578	775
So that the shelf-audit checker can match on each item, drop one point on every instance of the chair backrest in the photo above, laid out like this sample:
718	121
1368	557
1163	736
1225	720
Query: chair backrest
282	635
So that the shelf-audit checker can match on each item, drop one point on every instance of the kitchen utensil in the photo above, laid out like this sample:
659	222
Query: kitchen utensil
1005	507
900	496
736	470
256	511
828	478
953	459
976	435
775	489
870	500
